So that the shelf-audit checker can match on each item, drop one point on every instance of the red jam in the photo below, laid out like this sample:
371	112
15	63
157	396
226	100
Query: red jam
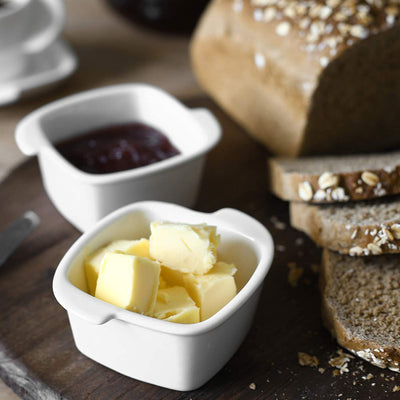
117	148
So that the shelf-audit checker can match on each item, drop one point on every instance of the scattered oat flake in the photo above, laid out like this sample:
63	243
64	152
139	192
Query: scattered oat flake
277	223
341	361
396	388
306	360
321	370
367	377
252	386
281	248
299	241
335	372
294	274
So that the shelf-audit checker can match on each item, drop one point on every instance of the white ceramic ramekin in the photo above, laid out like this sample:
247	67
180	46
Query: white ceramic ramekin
84	198
176	356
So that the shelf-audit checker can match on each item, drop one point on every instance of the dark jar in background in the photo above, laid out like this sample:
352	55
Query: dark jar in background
175	16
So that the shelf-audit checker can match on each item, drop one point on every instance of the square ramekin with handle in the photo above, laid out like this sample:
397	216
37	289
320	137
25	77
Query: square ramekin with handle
84	198
172	355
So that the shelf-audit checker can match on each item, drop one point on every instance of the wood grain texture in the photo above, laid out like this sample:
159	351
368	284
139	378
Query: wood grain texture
38	358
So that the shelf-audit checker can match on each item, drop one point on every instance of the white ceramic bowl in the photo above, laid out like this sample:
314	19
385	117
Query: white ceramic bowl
84	198
172	355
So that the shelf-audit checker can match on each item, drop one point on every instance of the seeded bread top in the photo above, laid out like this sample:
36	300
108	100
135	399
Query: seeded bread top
363	295
339	164
326	27
335	178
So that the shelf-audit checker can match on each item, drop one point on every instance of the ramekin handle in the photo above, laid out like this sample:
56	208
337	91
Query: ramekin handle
245	225
29	137
209	123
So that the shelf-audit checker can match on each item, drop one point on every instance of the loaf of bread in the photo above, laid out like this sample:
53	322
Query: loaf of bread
361	305
357	229
327	179
305	77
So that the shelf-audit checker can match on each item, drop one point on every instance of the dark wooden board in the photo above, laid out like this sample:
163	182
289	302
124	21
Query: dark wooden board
38	359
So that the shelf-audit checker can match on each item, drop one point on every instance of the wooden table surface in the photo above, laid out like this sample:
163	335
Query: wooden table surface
109	51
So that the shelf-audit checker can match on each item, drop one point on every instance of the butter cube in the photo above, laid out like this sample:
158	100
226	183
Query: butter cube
163	284
188	248
212	291
94	261
129	282
222	267
172	277
175	305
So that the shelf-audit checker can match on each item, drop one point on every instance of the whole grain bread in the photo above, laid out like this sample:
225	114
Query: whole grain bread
361	305
328	179
309	77
363	228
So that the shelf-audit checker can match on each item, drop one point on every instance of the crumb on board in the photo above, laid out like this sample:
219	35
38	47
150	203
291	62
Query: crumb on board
396	388
367	377
281	248
277	223
306	360
321	370
341	361
252	386
299	241
294	274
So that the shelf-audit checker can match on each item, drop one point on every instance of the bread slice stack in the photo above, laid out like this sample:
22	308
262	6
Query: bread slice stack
348	206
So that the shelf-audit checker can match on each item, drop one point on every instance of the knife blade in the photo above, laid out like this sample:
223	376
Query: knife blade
13	235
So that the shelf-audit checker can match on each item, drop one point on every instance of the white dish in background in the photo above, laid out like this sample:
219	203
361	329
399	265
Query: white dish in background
27	27
42	70
172	355
84	198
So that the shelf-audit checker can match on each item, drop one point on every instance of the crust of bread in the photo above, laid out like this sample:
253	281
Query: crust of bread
222	53
345	238
368	349
285	184
291	103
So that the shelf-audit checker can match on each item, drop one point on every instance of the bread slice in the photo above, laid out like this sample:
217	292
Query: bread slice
335	178
364	228
361	305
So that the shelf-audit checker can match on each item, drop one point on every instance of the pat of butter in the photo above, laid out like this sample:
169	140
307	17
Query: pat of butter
129	282
212	291
175	305
222	267
163	283
94	261
188	248
172	277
